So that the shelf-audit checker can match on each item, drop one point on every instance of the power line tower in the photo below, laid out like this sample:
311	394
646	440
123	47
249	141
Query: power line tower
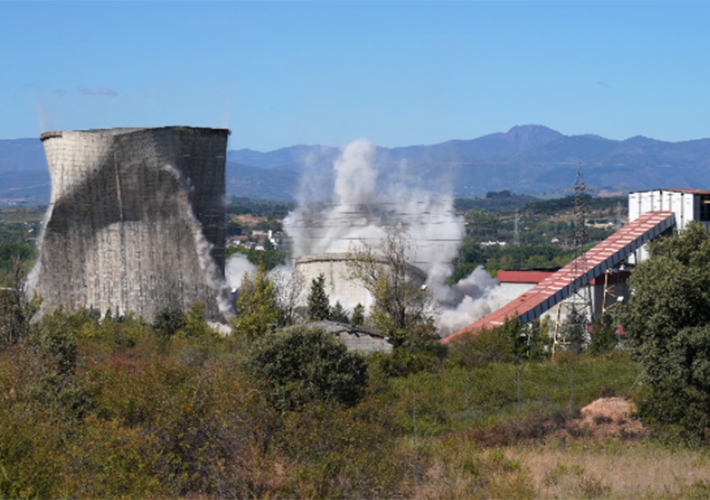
516	230
573	328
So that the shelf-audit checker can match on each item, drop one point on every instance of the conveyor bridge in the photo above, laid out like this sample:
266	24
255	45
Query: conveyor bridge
577	274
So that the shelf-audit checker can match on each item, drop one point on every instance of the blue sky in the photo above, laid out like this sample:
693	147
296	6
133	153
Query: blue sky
398	73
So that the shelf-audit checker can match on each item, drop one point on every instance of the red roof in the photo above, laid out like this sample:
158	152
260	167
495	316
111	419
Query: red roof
686	191
523	276
558	286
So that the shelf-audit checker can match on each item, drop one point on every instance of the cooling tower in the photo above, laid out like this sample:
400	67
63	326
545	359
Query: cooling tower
136	220
339	285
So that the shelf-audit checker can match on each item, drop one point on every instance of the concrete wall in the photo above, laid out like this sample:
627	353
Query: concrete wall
136	220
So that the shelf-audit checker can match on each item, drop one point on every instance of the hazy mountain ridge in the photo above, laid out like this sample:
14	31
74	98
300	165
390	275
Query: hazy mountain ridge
526	159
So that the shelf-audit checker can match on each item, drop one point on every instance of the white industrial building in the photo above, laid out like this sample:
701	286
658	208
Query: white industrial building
686	204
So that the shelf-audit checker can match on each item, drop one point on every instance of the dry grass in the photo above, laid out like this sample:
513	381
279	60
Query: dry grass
614	470
603	452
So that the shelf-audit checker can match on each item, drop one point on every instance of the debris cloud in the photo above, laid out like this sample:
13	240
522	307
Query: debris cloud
364	205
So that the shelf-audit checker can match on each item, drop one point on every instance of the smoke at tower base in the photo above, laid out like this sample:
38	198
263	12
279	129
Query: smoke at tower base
362	207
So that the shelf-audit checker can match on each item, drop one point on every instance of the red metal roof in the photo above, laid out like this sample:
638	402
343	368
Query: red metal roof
687	191
558	286
523	276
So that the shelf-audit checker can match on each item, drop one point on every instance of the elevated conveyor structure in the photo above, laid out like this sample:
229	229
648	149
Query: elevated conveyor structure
575	275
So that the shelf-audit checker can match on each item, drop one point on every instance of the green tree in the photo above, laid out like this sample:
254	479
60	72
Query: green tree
358	317
338	313
318	302
257	309
603	335
168	322
574	331
668	325
299	365
195	322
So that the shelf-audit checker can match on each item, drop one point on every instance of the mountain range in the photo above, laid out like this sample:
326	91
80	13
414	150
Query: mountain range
530	159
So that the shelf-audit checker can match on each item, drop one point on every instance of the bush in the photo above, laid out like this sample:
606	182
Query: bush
298	365
168	322
668	325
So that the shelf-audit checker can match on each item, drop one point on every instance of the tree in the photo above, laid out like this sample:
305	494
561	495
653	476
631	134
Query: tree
318	302
667	322
289	289
403	308
574	331
338	313
16	308
603	335
299	365
168	322
257	310
358	317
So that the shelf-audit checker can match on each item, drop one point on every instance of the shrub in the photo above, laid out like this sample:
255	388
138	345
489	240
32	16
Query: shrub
168	322
298	365
668	325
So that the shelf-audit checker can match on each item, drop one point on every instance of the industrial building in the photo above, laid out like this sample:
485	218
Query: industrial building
686	205
601	271
136	221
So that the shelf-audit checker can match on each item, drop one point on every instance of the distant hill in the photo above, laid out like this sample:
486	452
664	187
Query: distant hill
261	184
526	159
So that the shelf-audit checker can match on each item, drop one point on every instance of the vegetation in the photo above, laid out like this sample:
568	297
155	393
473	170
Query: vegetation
358	317
318	302
403	308
668	323
301	365
544	232
118	408
240	205
257	307
269	257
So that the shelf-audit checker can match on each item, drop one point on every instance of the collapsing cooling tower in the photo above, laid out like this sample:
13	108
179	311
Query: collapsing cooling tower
136	221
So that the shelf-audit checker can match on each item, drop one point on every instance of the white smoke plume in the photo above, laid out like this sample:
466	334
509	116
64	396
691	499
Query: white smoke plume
362	209
236	267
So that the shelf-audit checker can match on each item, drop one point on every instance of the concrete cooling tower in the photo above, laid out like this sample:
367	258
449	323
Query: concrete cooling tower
136	220
339	285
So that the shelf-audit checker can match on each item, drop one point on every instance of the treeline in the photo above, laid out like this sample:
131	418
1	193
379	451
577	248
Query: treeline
506	201
238	205
567	205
